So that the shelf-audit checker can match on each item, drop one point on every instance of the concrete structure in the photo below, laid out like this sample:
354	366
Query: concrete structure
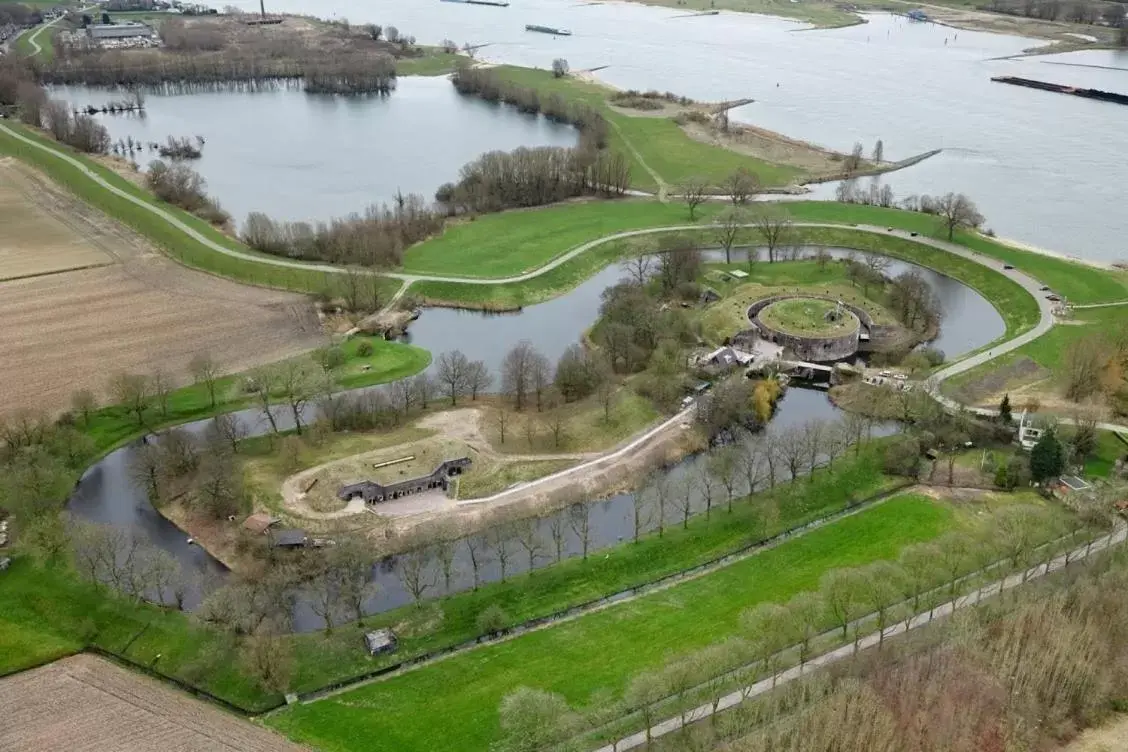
127	30
372	492
815	349
287	538
380	641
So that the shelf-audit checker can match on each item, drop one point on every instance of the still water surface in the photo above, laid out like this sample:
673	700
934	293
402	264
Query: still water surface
1043	167
107	494
306	157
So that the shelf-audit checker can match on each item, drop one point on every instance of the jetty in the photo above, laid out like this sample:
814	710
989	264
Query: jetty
548	30
1103	96
699	15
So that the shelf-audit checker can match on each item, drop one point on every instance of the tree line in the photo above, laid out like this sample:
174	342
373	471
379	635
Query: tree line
534	177
377	238
847	604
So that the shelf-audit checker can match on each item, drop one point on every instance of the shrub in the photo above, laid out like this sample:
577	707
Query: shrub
902	457
364	349
492	620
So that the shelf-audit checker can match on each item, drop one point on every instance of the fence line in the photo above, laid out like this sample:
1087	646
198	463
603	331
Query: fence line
602	602
923	618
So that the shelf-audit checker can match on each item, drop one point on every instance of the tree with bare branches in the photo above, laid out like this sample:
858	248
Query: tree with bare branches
415	572
693	193
529	538
453	371
729	224
957	212
132	391
741	185
579	519
775	227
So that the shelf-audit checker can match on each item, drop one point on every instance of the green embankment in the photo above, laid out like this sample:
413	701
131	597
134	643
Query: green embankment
453	704
657	140
1049	351
46	613
109	427
172	240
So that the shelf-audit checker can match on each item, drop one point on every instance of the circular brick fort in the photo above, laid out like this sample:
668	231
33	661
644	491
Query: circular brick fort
812	328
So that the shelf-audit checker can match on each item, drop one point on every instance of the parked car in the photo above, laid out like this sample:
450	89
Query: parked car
914	234
1008	266
1044	288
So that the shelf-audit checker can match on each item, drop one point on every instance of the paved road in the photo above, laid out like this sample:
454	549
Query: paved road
671	725
1027	282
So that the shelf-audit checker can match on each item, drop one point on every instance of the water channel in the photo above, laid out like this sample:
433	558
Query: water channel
107	494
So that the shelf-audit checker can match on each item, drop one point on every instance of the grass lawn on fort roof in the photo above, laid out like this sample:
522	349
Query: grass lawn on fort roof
453	704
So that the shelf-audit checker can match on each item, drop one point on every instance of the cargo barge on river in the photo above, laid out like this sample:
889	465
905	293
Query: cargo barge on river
1104	96
548	30
495	3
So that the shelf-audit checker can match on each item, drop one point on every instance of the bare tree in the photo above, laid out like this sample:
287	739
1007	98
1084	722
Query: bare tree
146	469
878	152
557	423
476	550
326	601
528	536
453	371
530	426
775	227
729	224
478	378
706	483
768	628
645	692
297	386
921	565
642	511
579	519
557	530
262	384
500	417
682	492
424	388
226	429
161	386
792	446
205	371
814	433
741	185
499	540
517	372
350	564
723	465
693	193
83	403
957	211
415	572
132	392
640	267
751	463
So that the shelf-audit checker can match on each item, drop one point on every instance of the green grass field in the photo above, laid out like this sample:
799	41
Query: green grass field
453	704
658	141
109	427
46	613
806	317
1050	349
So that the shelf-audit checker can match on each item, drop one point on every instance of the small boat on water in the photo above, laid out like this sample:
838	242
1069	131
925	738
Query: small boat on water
495	3
548	30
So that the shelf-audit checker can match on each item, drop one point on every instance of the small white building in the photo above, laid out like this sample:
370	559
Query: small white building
380	641
1028	435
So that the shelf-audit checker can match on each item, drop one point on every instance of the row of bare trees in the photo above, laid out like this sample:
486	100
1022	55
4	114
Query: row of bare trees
376	238
848	604
180	185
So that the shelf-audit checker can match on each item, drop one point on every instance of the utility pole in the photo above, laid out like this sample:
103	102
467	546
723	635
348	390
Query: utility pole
262	8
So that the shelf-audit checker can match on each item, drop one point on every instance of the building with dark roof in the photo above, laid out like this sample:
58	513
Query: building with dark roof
373	492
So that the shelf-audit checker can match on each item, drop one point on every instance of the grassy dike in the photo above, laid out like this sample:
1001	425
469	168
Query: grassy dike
171	240
453	704
48	612
655	144
112	426
516	242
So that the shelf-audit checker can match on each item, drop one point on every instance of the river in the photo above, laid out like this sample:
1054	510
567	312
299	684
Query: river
106	492
1042	167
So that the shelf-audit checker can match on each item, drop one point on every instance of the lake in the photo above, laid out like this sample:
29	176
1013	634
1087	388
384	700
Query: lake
299	156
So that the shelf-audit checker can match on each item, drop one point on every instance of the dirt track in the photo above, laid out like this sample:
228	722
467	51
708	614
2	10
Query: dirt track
88	704
68	326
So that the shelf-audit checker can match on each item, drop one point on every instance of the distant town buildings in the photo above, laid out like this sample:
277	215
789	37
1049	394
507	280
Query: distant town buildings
126	30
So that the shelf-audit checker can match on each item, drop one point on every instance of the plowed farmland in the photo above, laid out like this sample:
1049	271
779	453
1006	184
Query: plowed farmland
89	704
82	298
